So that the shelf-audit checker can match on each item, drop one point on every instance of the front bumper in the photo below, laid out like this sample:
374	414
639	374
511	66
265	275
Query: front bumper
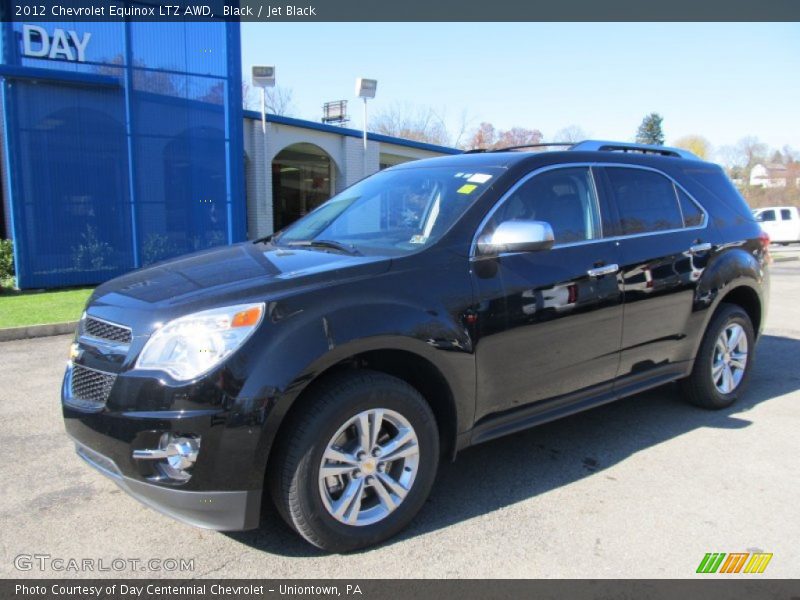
225	487
220	510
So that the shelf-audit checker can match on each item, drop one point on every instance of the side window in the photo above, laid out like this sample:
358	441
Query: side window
692	215
786	214
766	215
646	200
564	198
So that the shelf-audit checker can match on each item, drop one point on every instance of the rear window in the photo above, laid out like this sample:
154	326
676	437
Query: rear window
646	201
786	214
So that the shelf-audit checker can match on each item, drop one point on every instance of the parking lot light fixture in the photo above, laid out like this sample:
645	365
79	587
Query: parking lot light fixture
366	88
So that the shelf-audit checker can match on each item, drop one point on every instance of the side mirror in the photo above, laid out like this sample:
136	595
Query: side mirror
517	236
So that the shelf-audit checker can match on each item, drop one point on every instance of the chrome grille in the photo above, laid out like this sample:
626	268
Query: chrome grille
106	331
90	388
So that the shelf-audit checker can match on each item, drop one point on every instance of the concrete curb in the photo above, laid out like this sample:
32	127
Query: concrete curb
35	331
785	258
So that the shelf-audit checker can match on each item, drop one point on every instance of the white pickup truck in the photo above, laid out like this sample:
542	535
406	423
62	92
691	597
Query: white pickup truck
782	223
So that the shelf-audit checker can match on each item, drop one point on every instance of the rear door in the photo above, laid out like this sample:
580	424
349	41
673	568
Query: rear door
664	244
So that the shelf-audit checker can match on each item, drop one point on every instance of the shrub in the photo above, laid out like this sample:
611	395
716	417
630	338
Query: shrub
6	258
91	253
158	247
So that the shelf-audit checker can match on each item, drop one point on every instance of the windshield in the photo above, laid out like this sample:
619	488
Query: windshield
393	212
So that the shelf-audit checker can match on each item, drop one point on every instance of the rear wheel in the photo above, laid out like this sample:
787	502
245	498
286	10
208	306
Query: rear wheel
358	461
724	360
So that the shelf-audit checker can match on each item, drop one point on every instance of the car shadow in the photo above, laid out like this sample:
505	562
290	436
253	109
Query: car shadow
499	473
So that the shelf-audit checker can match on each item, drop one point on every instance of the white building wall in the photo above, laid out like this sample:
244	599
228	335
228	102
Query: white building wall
354	162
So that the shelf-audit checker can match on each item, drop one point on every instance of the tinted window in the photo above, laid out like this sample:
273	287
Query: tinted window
692	215
786	214
646	201
562	197
767	215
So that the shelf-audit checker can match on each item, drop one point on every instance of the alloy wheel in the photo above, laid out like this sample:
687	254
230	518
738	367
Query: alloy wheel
730	358
368	467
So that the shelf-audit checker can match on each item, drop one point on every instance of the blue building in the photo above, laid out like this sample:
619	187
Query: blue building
121	145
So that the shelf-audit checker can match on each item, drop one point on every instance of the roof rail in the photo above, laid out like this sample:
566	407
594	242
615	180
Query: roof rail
606	146
520	147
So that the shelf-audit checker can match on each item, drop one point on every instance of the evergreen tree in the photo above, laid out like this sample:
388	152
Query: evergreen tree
650	131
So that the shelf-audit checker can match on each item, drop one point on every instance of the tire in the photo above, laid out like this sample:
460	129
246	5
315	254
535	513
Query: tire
702	388
320	427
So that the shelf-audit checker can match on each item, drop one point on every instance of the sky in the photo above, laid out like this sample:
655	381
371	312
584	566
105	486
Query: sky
723	81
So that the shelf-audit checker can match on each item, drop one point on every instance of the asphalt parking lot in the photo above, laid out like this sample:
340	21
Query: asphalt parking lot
640	488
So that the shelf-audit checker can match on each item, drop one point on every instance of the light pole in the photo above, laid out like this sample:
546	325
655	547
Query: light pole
264	77
366	88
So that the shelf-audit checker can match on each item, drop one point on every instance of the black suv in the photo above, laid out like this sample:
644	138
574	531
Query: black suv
432	306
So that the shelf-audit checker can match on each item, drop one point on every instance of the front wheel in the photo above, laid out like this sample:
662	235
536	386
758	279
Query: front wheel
358	461
724	360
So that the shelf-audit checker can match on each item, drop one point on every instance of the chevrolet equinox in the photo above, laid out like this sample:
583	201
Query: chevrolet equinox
327	368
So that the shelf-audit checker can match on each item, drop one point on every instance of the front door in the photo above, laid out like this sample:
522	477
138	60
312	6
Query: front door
549	322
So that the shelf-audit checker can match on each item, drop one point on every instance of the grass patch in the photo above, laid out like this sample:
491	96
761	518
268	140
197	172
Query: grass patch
18	309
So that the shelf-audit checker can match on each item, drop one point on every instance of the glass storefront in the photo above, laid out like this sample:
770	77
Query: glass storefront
123	147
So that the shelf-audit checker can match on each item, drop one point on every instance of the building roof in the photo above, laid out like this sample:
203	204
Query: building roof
346	131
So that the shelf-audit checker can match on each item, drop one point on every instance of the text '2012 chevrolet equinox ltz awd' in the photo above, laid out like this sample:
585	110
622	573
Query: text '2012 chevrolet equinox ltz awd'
328	368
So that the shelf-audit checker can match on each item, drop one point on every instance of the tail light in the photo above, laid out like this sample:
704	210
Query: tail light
764	239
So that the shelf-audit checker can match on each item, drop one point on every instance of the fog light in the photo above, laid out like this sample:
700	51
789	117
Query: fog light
175	455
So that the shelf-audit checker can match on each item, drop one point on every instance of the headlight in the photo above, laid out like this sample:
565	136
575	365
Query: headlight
192	345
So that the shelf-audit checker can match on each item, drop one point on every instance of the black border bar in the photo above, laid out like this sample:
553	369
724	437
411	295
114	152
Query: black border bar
707	587
402	10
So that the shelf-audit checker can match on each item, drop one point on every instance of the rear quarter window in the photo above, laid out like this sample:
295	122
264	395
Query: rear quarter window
692	215
711	180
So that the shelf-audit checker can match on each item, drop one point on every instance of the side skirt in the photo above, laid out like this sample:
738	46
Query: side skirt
518	419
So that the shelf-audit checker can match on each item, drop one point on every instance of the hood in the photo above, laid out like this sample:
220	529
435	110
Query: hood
227	275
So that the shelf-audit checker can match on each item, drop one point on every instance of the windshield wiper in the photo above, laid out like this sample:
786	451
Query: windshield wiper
325	244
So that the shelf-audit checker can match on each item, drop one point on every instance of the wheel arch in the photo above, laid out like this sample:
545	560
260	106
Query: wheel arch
419	371
748	300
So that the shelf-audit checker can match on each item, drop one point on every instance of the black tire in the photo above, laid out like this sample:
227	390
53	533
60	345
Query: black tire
294	472
699	388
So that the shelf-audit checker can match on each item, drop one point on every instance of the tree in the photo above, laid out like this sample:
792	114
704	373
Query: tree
650	131
279	100
572	134
730	156
752	151
488	138
485	136
790	154
417	123
696	144
519	136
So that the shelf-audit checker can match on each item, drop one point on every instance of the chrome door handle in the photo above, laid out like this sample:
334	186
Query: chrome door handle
698	248
600	271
